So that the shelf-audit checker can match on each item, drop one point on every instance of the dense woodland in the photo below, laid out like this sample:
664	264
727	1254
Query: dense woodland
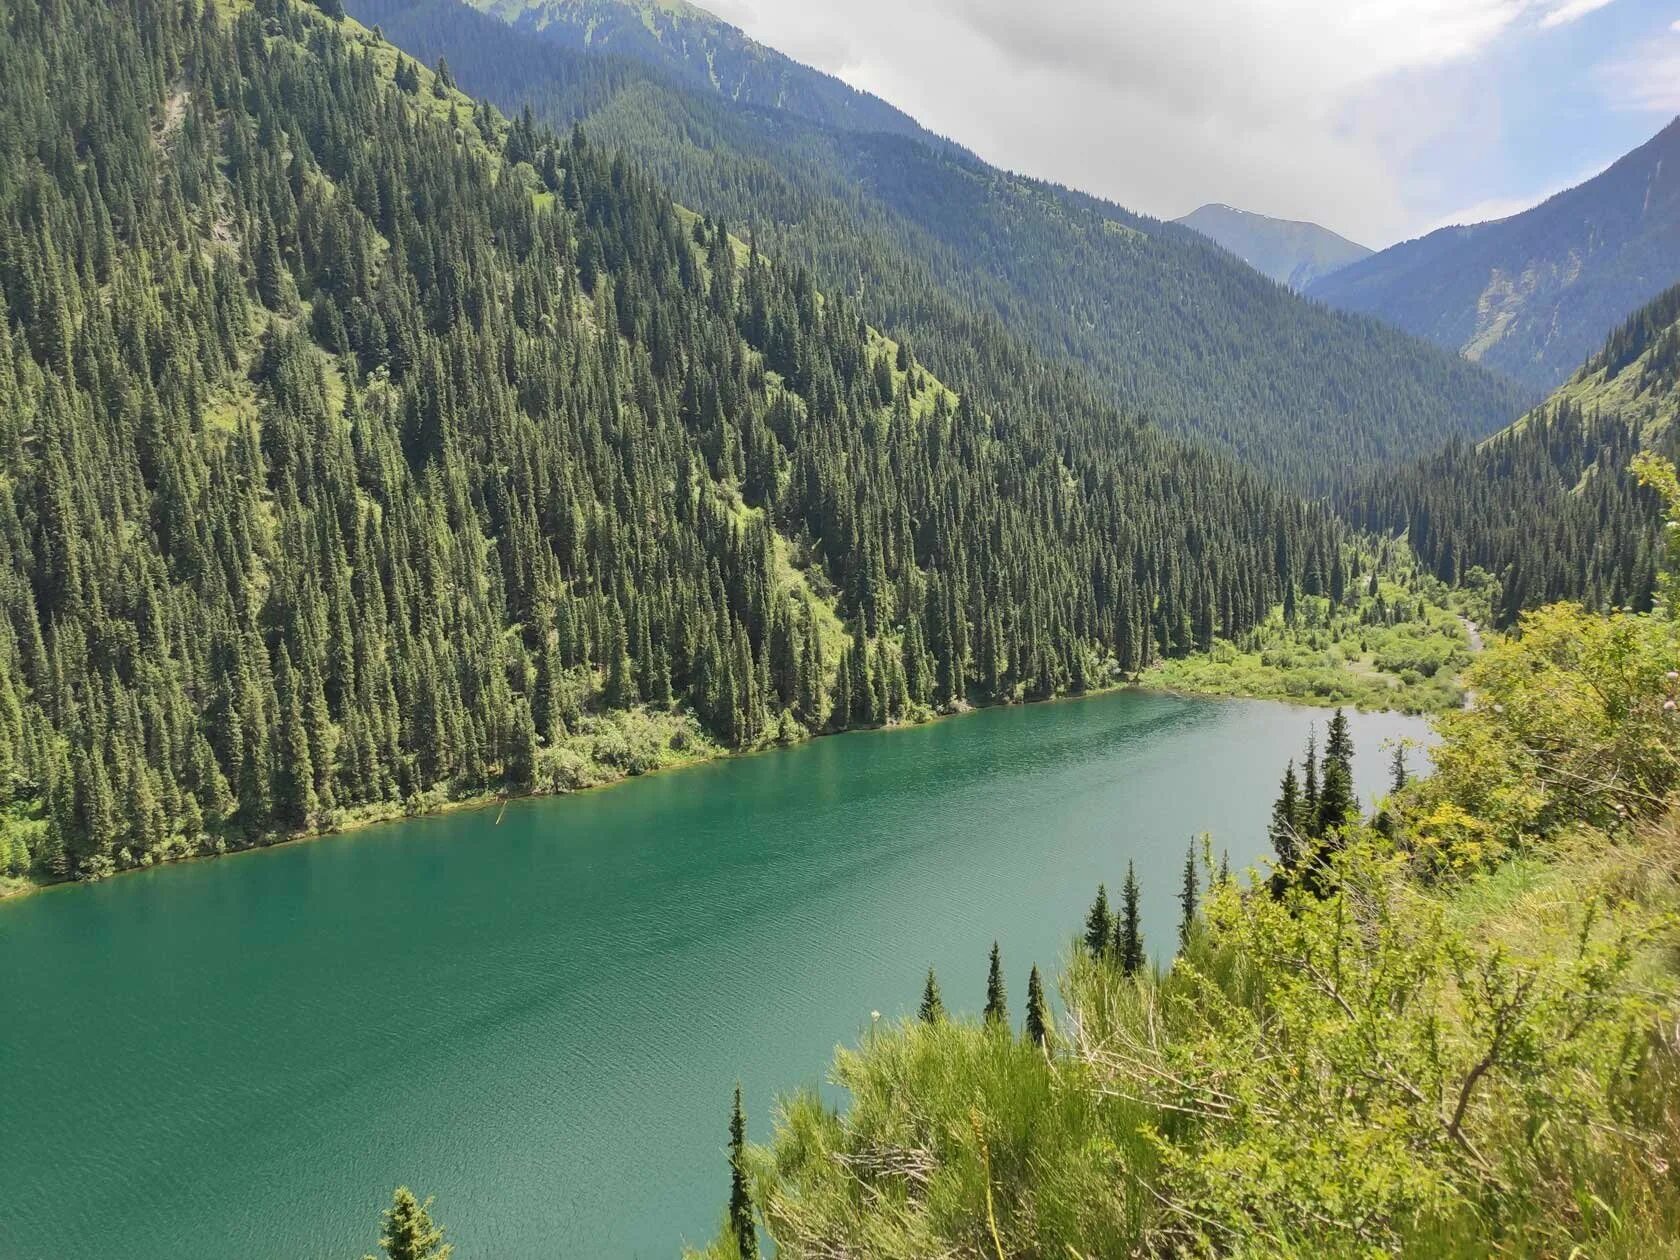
360	444
966	261
1549	506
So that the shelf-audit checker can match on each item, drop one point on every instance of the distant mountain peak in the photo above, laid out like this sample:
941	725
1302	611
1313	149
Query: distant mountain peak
1290	251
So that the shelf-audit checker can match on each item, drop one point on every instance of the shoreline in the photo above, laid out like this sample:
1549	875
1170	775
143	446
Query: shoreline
12	891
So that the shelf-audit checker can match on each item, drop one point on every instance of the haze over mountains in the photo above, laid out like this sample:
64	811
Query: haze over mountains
1534	294
705	53
952	253
1289	251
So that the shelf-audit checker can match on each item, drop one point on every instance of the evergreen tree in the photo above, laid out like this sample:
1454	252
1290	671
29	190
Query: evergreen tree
1309	794
997	1012
1189	897
1038	1010
410	1233
1128	926
1336	803
932	1010
1099	925
489	483
741	1223
1398	775
1287	830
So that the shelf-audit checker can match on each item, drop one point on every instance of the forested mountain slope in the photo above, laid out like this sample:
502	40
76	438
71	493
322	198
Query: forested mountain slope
1534	294
1290	252
705	53
362	448
1549	505
950	252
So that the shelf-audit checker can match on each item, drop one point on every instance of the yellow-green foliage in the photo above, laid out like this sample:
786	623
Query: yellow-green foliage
1573	723
1404	653
1455	1037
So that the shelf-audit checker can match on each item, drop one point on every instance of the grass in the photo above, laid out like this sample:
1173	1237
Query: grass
1353	655
960	1139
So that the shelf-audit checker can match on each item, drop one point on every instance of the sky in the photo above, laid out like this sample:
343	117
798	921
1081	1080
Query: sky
1381	119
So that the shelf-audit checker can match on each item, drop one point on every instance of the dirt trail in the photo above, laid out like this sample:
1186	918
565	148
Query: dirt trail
1476	645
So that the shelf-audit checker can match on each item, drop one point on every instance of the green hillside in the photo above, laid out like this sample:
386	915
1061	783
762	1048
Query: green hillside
365	451
1444	1032
939	247
1532	295
705	53
1548	506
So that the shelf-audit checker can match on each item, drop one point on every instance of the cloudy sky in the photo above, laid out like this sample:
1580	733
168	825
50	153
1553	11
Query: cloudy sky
1378	118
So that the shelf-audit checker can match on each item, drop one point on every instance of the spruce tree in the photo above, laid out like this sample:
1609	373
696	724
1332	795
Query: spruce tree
1398	775
1336	803
1338	742
932	1010
1099	925
1038	1010
740	1197
410	1233
997	1011
1128	927
1286	831
1309	789
1188	897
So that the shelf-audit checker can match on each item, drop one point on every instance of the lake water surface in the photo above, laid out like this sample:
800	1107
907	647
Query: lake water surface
540	1021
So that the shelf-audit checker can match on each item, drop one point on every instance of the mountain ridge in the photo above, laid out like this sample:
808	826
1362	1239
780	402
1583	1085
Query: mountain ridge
1294	252
1534	293
1157	315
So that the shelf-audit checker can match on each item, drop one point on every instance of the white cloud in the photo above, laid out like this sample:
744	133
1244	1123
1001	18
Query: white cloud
1570	11
1649	81
1300	108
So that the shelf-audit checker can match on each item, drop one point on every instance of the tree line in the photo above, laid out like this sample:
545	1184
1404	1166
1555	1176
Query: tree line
361	443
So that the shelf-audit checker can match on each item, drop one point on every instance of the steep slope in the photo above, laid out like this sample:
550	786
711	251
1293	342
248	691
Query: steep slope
1548	506
1532	295
703	52
363	450
938	246
1289	251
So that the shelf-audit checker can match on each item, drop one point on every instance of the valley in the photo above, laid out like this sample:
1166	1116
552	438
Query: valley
912	709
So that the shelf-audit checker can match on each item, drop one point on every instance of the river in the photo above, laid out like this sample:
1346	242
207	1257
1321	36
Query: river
540	1020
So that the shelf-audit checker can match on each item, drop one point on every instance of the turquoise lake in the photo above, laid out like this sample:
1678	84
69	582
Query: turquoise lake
540	1021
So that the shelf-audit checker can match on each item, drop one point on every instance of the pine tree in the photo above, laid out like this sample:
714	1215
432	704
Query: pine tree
1038	1011
1398	775
1336	803
997	1011
1338	743
740	1197
1309	790
1099	925
410	1233
1128	927
932	1010
1286	829
1188	897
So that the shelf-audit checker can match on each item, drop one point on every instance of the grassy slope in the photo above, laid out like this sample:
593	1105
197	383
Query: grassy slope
1352	656
1471	1051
